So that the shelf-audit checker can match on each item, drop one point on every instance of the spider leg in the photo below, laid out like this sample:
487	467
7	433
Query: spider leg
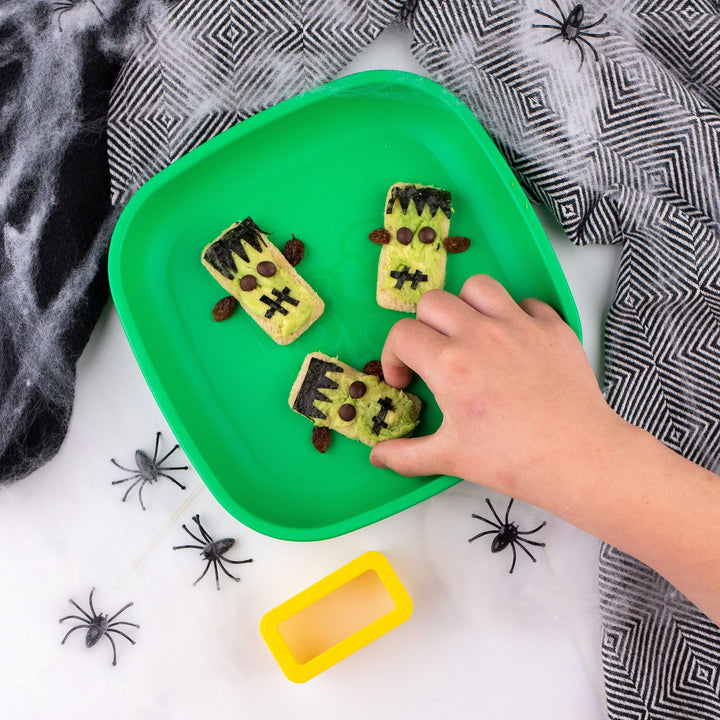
203	531
552	37
507	512
217	579
241	562
167	455
193	547
512	547
122	467
177	467
120	632
524	549
549	27
170	477
127	492
142	485
596	35
112	642
77	627
559	9
530	532
121	610
497	517
597	22
582	52
157	444
74	617
123	622
207	567
549	17
590	45
487	532
97	8
136	476
530	542
489	522
222	567
90	603
194	537
86	614
59	15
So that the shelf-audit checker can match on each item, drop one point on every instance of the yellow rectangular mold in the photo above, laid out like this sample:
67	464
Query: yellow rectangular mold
336	616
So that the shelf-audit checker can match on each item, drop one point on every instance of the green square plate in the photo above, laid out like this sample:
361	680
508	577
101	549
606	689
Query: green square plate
319	166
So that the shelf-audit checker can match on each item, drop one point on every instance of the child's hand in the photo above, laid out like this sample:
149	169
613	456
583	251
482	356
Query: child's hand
522	409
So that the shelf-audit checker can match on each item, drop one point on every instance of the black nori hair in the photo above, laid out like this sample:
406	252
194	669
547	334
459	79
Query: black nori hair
219	254
422	195
315	378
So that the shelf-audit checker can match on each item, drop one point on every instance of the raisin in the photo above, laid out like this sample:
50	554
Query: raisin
321	438
294	251
456	244
374	367
224	308
380	236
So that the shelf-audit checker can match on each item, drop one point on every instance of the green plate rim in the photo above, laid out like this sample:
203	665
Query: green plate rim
360	80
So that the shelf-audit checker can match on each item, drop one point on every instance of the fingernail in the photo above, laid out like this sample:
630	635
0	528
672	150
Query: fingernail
378	463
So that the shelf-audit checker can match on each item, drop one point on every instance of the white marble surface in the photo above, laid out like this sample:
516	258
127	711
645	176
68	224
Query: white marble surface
481	642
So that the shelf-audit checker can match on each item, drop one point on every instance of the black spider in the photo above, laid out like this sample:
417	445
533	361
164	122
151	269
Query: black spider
572	29
212	551
148	470
98	625
63	6
507	533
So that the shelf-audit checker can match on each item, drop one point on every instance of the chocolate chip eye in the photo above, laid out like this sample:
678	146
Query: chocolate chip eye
404	235
426	235
248	282
346	412
357	389
266	268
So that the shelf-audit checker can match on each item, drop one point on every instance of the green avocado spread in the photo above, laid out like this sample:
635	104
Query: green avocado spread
398	421
287	315
416	267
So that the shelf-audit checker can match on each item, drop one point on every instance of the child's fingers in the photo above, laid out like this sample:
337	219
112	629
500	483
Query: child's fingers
444	312
538	309
487	296
410	345
410	456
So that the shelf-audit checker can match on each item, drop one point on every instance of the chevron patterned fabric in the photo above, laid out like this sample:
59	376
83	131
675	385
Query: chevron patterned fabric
618	133
208	64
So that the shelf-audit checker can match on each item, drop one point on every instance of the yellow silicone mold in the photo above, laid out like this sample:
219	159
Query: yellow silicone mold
336	616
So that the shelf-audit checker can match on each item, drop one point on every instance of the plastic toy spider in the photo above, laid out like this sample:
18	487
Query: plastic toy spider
64	6
148	470
572	30
98	625
212	551
507	533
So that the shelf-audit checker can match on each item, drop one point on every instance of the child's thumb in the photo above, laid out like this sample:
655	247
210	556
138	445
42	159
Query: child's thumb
408	456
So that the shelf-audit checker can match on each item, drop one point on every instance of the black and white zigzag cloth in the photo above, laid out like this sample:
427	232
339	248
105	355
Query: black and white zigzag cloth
608	113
